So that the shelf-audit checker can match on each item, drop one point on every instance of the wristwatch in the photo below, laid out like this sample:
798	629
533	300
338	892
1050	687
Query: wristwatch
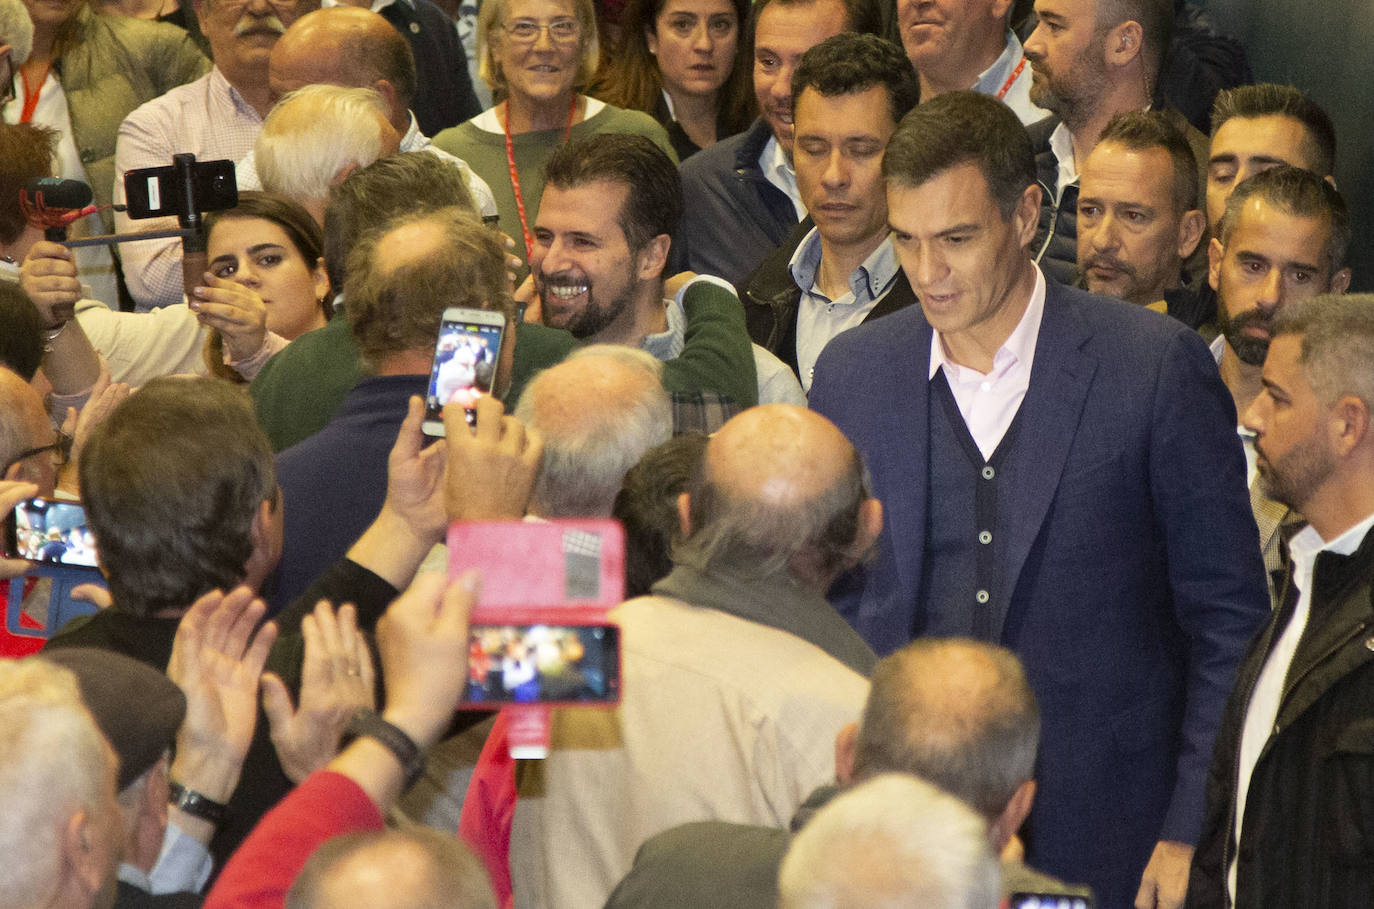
369	723
197	805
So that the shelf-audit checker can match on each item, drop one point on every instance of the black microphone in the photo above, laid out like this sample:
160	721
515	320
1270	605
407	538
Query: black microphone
47	200
51	192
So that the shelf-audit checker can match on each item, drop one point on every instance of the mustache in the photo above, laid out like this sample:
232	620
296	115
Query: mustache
269	23
1108	262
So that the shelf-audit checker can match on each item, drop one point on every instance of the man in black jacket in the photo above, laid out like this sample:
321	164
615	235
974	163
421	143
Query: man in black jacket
1289	795
851	90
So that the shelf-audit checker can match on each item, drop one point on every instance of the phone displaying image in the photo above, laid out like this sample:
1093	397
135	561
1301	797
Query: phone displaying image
564	665
465	360
1049	901
51	533
152	192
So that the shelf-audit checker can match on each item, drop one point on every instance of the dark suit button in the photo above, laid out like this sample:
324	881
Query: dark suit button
985	537
988	472
982	596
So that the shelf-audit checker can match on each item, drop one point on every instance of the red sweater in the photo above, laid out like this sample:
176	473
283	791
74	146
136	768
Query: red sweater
260	872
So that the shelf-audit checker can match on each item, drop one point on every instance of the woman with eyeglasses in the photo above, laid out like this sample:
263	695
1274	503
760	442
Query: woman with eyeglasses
686	63
535	55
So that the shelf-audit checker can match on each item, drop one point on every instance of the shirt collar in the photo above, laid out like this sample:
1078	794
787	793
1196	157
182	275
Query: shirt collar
1307	543
668	343
220	83
991	80
867	282
377	5
1061	143
1020	344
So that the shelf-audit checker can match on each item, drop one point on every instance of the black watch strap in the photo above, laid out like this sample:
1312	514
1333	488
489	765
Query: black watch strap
197	805
369	723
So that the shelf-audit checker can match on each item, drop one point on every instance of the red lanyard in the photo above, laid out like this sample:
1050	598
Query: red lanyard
31	97
515	174
1006	86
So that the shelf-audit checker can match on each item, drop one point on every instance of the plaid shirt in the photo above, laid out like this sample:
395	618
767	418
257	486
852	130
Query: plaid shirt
209	119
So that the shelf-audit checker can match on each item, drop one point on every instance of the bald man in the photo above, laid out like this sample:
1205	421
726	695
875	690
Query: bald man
356	48
737	672
599	411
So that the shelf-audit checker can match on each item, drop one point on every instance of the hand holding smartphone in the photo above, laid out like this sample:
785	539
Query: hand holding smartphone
466	357
50	532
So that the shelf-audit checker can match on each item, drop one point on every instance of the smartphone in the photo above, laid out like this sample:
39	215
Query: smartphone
152	192
563	665
50	532
1049	901
465	360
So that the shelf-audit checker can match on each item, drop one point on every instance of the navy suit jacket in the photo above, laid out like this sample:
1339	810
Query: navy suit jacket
1132	563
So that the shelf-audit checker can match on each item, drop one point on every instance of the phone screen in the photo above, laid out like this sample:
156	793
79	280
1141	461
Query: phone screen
543	664
53	533
465	360
1049	901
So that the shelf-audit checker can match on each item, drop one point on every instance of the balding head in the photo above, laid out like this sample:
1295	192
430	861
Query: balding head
599	412
780	489
957	712
411	868
24	425
347	46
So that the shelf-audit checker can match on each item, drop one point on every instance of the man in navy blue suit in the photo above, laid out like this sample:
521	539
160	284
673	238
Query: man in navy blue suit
1061	475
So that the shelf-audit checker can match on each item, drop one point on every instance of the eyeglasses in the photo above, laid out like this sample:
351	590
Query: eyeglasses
561	31
61	449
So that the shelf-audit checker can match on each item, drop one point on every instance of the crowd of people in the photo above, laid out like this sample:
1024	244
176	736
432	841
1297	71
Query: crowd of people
975	383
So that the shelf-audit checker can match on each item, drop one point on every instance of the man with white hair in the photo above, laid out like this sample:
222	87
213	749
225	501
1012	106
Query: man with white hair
60	829
892	841
318	135
599	412
217	116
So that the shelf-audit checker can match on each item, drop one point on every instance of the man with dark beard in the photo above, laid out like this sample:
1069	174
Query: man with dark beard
610	208
1282	239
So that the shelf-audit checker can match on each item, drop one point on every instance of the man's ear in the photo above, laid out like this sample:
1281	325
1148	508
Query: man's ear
870	526
1005	825
384	88
1190	232
83	854
1124	43
1349	424
1027	214
144	842
1340	281
684	513
1215	253
653	258
846	746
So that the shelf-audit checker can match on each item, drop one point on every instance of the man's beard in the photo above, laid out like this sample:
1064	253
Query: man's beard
593	318
1296	476
1249	349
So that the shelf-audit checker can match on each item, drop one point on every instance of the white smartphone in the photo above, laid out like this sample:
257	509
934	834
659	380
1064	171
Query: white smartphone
465	361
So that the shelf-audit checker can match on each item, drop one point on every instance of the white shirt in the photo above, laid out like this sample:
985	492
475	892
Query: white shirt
989	402
94	263
1017	95
183	866
1267	695
1061	143
819	319
778	171
488	121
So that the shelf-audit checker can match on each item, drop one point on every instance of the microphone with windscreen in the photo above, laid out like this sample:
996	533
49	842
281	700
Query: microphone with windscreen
52	204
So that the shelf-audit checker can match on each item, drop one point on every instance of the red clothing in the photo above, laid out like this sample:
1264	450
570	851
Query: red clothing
263	868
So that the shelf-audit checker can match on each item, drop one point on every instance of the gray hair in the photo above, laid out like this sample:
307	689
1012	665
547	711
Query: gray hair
16	30
957	712
1337	344
586	459
53	763
739	534
313	134
895	840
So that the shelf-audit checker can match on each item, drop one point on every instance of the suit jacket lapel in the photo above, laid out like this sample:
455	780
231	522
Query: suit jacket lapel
1060	380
